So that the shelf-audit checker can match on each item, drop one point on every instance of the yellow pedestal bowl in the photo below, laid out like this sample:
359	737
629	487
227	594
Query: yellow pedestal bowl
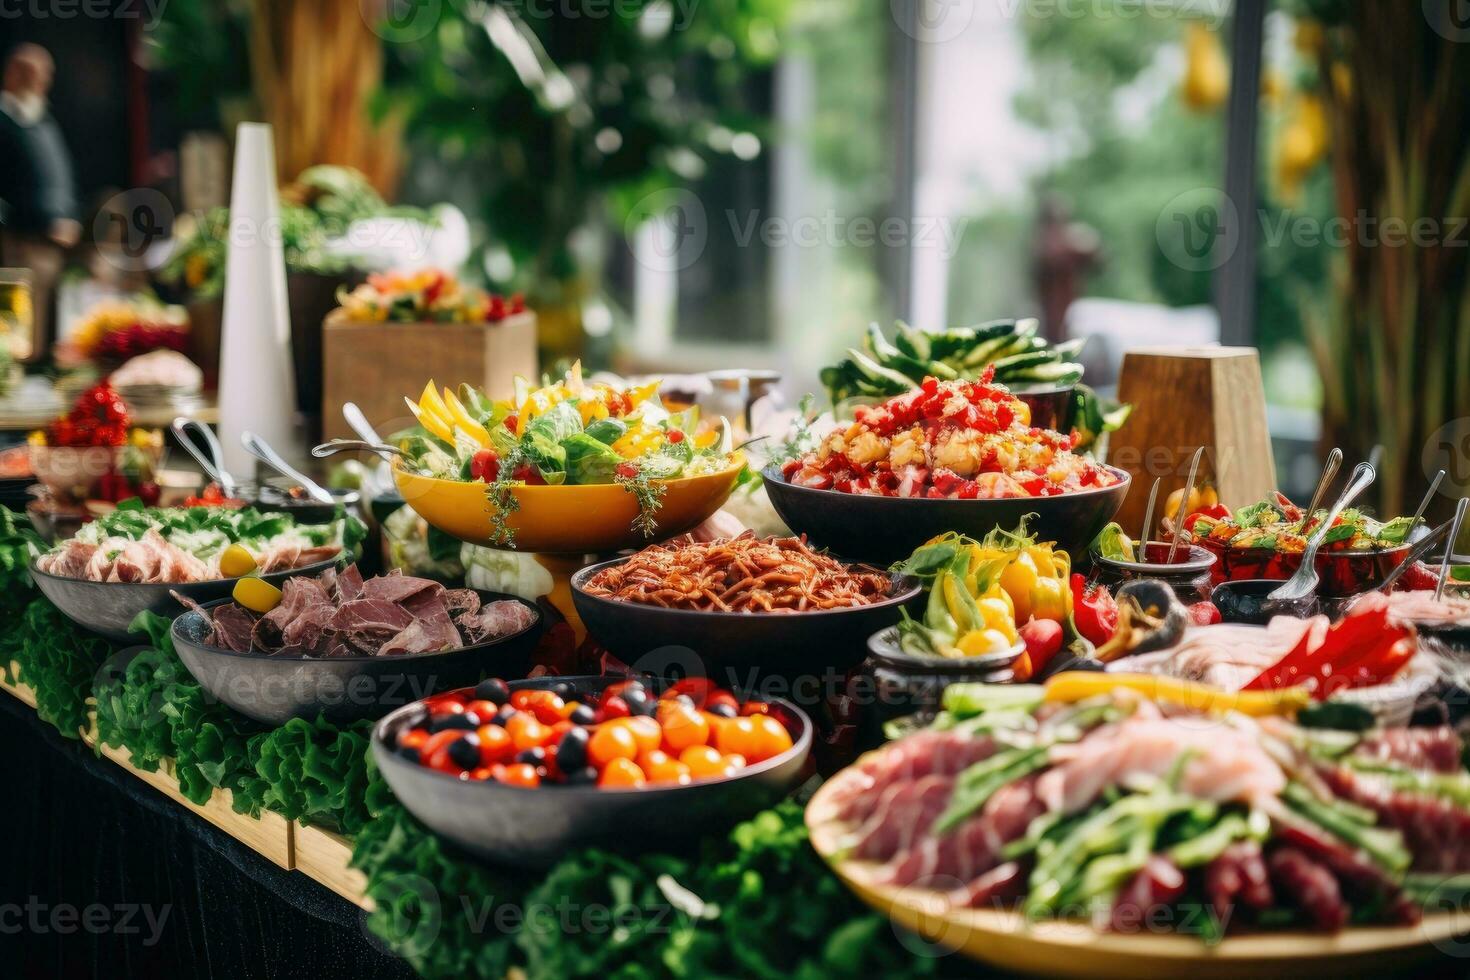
565	519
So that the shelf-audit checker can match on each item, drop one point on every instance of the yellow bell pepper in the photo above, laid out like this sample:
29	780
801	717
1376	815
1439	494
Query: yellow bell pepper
639	439
462	418
996	613
1049	599
431	403
978	642
592	410
1078	685
1018	579
637	396
256	594
429	421
235	561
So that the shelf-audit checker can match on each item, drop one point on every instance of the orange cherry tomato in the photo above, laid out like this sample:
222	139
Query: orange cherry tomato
645	731
438	741
698	689
521	774
414	738
621	772
737	735
732	763
567	707
484	710
526	732
495	745
546	706
770	740
666	770
521	700
754	708
611	742
683	726
704	761
483	773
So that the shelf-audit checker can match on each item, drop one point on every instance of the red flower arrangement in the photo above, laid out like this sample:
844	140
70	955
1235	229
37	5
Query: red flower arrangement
99	418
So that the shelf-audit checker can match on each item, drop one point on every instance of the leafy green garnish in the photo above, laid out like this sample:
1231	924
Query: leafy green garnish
650	497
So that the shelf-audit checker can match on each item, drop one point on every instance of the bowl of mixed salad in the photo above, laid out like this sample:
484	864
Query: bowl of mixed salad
947	456
136	558
572	466
1265	540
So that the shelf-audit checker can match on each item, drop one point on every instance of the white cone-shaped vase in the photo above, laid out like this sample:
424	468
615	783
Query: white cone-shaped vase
256	386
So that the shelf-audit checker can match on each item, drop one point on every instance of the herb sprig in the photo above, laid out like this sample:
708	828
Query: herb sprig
650	496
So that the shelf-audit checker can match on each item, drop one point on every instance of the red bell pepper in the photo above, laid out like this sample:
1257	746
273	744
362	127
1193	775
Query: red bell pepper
1094	611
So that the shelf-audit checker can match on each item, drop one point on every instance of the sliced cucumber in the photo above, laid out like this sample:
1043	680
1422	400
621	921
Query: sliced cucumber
879	375
987	351
914	343
1054	372
1015	364
878	344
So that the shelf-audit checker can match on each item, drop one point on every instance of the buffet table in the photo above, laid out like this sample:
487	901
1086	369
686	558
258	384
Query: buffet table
109	840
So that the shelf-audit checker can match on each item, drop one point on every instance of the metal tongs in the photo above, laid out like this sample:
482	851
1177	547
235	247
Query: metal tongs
261	450
212	458
1304	582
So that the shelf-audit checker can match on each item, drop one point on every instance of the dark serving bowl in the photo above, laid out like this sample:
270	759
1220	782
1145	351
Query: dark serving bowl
1340	573
305	510
734	648
273	689
1051	405
906	683
108	608
1245	601
883	530
536	827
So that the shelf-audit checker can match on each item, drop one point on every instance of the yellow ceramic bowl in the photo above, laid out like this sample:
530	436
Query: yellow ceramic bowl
1069	948
567	518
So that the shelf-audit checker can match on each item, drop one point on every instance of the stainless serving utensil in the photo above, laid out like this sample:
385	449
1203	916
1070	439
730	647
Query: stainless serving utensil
1424	504
1449	547
1304	582
357	421
212	458
335	446
1421	548
1184	503
1148	521
1329	472
261	450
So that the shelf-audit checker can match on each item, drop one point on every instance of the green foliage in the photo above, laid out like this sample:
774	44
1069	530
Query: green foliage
58	660
560	110
315	772
756	903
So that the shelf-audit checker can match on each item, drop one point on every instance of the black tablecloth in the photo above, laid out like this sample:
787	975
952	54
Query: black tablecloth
102	876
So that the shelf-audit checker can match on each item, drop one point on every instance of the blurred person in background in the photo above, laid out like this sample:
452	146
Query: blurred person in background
36	186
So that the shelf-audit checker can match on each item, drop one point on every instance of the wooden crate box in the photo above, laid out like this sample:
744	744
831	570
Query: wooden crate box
377	364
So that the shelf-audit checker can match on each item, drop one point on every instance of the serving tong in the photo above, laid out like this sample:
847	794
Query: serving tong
1148	521
334	446
1184	504
212	458
1329	471
1303	582
1449	547
261	450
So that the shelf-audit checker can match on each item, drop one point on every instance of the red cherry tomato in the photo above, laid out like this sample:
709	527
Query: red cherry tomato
446	706
485	465
495	745
414	738
717	698
755	708
614	707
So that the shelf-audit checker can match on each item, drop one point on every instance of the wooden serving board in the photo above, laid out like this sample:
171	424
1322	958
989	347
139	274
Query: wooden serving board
377	364
1184	398
1071	948
322	856
269	834
19	689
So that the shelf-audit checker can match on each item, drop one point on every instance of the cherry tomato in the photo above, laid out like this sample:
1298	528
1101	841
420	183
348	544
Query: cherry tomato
568	708
611	742
437	741
733	763
697	688
414	738
667	770
526	732
646	732
704	761
446	706
521	775
719	701
435	752
771	740
547	706
737	735
614	707
495	745
483	773
485	465
484	710
622	772
551	763
683	726
755	708
521	700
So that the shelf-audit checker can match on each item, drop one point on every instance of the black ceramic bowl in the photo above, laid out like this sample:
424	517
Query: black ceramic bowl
906	683
305	509
273	689
736	648
883	530
536	827
108	608
1245	601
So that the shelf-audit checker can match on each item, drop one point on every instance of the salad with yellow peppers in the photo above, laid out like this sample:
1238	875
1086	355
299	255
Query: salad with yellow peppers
989	596
567	432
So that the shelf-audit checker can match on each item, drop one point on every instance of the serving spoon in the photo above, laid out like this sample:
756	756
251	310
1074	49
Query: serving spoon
1304	582
1329	471
1148	521
212	458
334	446
1421	548
261	450
1449	547
1183	511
